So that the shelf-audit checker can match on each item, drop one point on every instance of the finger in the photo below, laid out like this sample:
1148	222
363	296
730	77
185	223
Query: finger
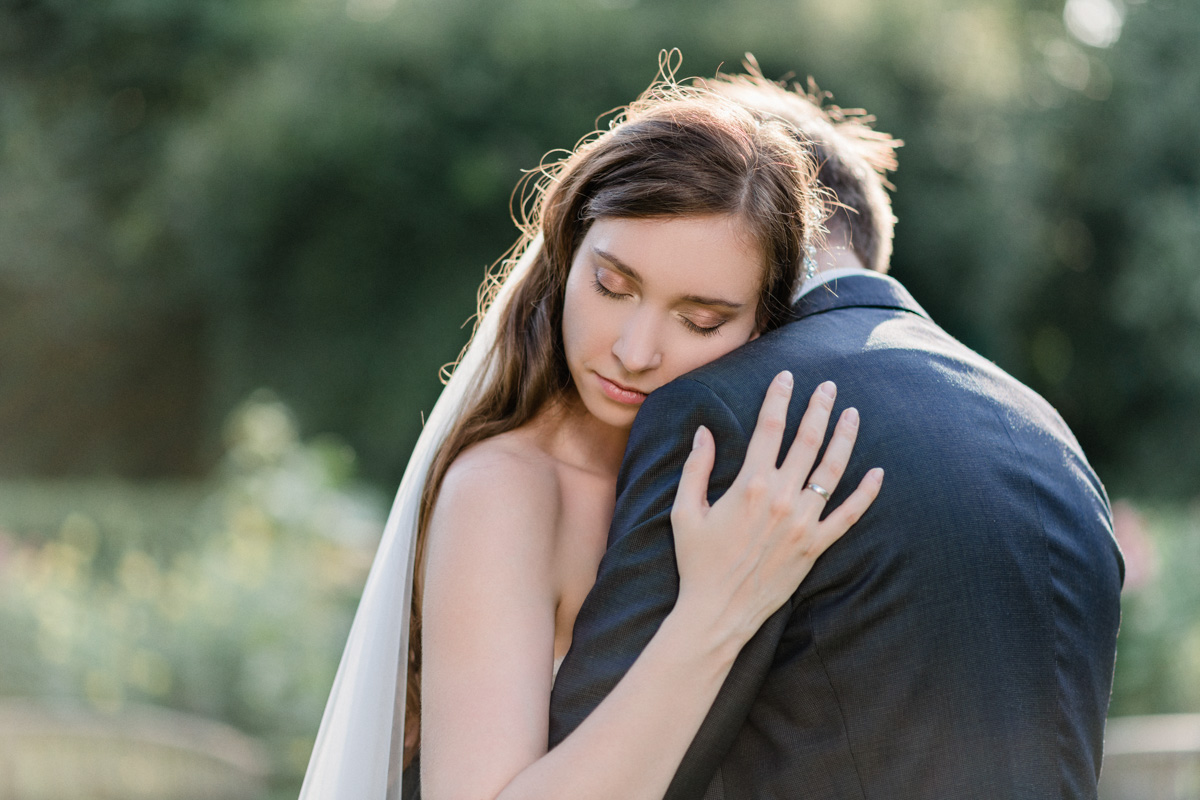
852	509
692	495
829	472
811	433
763	451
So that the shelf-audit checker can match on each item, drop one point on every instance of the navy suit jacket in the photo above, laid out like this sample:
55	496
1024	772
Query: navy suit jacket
958	642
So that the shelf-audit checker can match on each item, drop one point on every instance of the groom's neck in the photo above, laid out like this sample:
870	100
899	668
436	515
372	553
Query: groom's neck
837	252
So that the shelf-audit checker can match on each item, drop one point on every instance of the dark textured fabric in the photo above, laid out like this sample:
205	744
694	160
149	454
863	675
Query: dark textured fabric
410	784
957	643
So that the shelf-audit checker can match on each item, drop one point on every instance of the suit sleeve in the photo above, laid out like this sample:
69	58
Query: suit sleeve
638	581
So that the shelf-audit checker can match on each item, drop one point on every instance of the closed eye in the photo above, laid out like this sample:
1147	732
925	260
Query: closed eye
694	327
701	329
607	292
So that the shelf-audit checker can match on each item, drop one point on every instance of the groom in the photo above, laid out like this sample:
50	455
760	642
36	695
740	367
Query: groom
959	641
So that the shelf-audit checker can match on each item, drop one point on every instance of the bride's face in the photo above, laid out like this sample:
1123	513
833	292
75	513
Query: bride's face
650	299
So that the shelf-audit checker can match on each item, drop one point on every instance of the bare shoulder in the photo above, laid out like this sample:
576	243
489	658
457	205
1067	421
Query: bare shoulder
504	469
502	493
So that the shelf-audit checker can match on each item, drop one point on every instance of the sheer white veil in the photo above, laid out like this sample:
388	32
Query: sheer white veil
362	730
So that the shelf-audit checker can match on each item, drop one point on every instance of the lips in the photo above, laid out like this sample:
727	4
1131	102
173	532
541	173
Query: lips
621	394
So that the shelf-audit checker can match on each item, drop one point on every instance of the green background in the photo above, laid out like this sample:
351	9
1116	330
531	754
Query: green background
238	240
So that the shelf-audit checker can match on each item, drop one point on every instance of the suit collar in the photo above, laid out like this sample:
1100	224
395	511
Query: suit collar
863	290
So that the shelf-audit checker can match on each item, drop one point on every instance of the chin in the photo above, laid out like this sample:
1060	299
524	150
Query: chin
614	417
609	413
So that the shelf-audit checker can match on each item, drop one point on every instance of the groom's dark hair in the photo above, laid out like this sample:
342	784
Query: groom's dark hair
852	158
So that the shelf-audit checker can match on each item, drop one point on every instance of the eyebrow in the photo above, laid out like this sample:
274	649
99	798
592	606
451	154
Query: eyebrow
629	271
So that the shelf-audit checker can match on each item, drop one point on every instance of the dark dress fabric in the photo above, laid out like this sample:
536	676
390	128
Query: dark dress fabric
957	643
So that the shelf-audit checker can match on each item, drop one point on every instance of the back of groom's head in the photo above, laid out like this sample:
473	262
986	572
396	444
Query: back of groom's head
851	156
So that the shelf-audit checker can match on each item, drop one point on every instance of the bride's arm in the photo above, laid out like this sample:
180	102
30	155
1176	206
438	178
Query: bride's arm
489	623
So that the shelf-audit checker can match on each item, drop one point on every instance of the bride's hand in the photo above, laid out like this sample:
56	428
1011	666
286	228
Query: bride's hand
741	558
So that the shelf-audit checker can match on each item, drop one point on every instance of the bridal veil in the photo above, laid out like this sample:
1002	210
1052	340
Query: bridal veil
362	730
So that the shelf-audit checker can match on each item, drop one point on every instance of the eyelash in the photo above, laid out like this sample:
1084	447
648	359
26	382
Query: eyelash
702	330
604	290
693	327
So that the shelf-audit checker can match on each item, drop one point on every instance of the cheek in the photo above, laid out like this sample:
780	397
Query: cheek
579	323
695	352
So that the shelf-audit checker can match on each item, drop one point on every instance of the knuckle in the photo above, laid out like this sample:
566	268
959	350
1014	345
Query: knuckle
773	422
781	507
846	518
810	438
810	530
835	463
755	488
802	543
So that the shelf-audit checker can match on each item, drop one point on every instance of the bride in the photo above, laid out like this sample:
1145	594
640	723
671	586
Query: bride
654	248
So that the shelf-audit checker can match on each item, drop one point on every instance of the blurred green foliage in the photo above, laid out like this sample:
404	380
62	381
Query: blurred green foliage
199	199
243	620
240	613
1158	651
204	198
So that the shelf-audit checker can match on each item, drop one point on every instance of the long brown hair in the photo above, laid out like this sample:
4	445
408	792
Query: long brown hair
677	150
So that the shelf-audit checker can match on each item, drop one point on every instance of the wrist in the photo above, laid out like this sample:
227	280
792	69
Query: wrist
707	631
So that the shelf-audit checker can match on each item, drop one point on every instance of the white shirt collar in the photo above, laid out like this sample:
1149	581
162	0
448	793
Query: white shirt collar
827	275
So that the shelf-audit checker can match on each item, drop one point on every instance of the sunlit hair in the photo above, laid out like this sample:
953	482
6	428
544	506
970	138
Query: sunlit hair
852	158
678	150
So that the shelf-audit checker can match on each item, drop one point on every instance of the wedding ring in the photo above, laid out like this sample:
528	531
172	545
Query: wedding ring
824	494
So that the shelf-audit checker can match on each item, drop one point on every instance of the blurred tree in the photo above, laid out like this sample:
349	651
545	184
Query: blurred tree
200	199
1110	322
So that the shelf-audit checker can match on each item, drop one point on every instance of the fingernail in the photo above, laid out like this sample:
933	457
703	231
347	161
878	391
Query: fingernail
696	438
851	416
785	379
876	474
828	389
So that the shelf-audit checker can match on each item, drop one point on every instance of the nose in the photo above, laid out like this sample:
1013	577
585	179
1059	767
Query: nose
637	348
